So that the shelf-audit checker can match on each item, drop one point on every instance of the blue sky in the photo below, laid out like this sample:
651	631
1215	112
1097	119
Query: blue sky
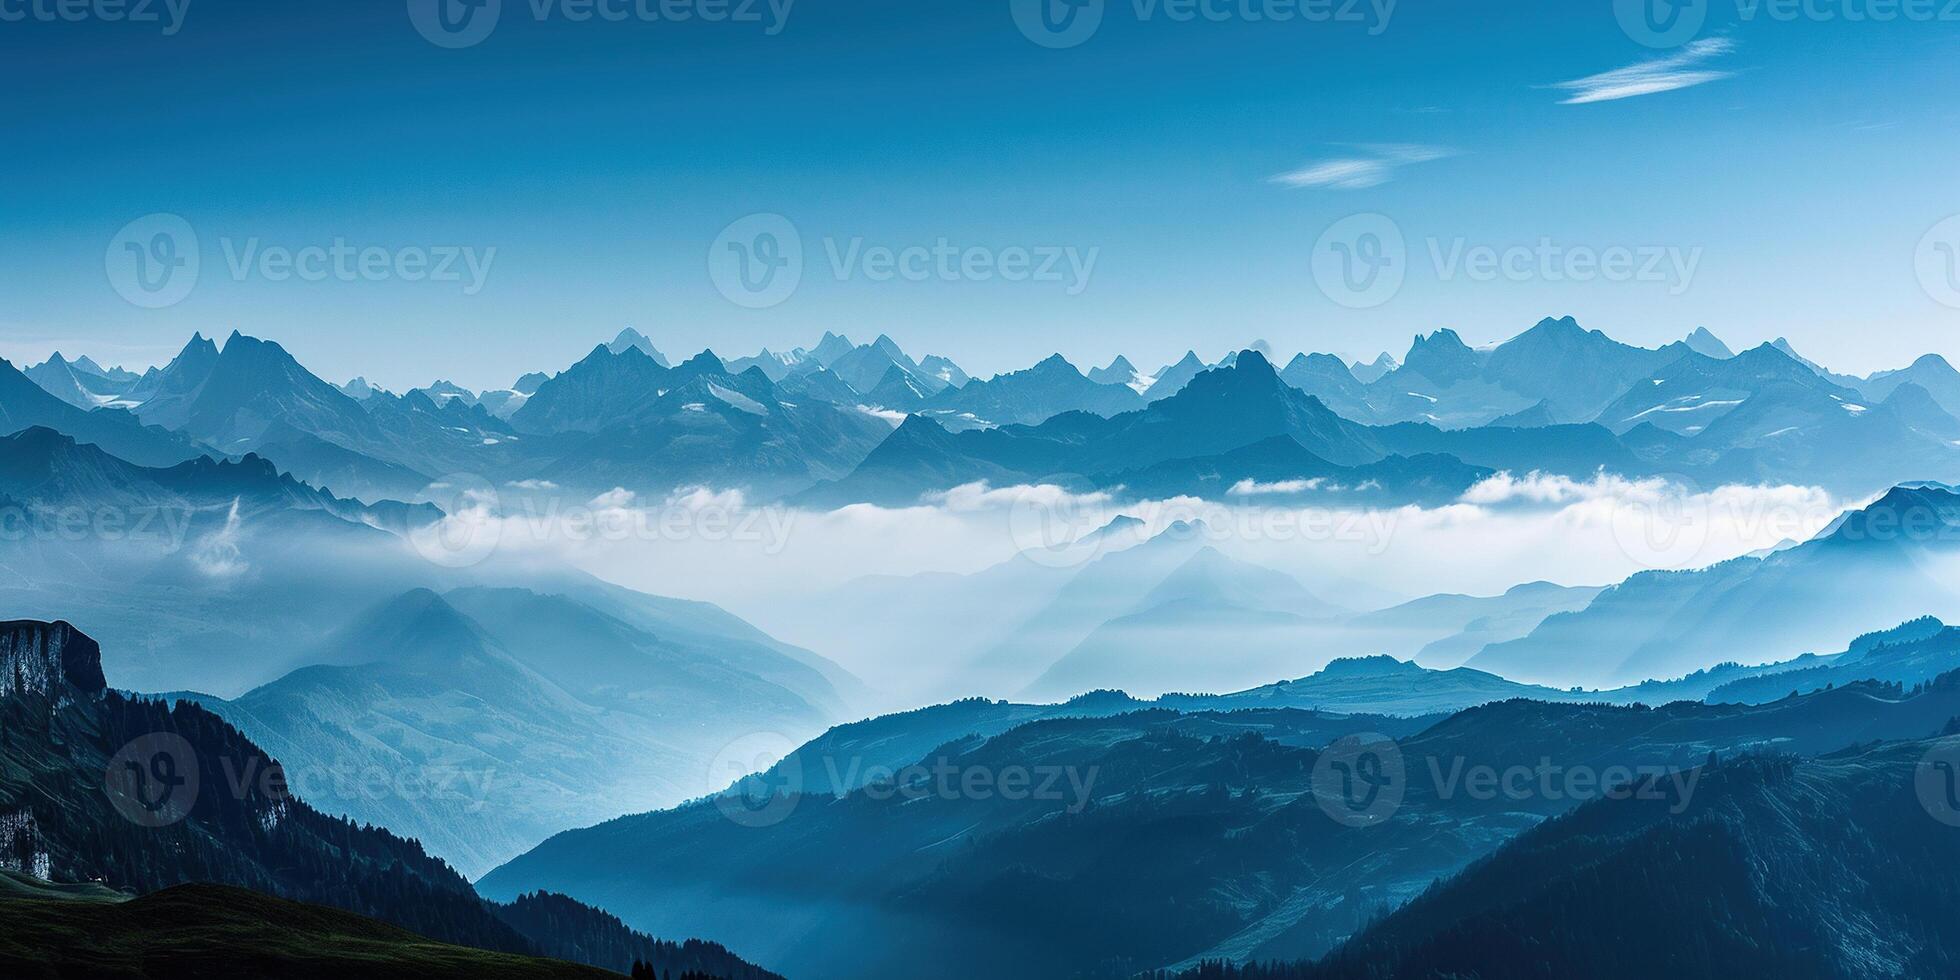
1795	165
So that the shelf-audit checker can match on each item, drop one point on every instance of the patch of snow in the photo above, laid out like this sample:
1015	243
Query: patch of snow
1676	406
737	400
1252	488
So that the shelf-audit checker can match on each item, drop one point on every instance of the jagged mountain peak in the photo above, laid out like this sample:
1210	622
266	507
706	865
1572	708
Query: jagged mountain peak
1564	325
631	339
1443	337
1909	514
1705	343
1442	357
1054	362
706	362
1255	361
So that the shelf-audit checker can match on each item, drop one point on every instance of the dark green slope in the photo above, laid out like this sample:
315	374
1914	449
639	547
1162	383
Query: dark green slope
63	735
212	932
1824	868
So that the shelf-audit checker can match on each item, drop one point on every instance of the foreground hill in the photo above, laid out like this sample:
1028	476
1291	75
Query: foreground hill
1165	838
190	800
219	933
1773	866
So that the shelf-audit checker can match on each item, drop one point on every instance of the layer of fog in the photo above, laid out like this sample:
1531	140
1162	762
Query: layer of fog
803	575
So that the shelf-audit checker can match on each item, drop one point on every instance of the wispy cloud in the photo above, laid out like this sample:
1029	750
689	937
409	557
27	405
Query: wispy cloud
1683	69
1372	165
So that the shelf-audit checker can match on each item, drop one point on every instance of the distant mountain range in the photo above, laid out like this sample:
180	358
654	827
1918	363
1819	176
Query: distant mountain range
1885	562
1557	398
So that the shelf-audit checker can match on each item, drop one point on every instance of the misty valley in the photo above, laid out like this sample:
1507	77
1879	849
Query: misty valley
1034	489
